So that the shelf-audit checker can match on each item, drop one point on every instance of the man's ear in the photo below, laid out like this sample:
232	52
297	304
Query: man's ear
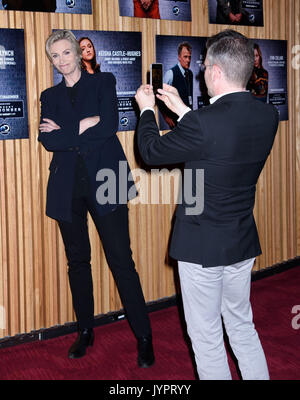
216	72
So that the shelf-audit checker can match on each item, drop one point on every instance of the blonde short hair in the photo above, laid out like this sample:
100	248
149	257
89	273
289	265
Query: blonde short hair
63	35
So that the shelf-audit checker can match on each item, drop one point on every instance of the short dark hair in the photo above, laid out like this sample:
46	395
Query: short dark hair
233	53
182	45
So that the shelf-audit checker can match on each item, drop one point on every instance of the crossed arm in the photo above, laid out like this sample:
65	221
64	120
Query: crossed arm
48	125
57	137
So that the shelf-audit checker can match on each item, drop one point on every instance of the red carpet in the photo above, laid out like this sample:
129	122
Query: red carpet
113	356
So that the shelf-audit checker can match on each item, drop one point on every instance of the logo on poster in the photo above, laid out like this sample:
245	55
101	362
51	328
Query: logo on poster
176	10
124	121
251	18
4	129
70	3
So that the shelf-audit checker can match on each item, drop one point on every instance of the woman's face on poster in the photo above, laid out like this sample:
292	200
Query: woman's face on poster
256	59
87	50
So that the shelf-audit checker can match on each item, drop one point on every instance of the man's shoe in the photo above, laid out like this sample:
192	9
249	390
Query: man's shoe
145	352
84	339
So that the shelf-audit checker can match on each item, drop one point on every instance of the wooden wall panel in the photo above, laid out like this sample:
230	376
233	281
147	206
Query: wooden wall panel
34	288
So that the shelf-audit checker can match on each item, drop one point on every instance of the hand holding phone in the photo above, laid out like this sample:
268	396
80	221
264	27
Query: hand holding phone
156	76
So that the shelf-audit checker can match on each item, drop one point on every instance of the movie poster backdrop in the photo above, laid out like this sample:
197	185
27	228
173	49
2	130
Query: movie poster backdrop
58	6
121	54
166	53
251	12
13	95
178	10
273	68
274	61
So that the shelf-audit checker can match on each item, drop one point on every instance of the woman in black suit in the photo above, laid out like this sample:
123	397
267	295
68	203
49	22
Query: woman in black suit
79	120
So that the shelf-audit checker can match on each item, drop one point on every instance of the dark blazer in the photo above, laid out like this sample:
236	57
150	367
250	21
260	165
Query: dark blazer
99	145
230	140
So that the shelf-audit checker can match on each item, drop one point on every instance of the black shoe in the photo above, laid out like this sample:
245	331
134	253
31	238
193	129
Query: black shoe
84	339
145	352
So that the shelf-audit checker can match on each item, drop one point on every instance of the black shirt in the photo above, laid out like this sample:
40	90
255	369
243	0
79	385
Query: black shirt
81	179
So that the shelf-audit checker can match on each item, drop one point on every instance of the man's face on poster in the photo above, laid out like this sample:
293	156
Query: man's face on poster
185	58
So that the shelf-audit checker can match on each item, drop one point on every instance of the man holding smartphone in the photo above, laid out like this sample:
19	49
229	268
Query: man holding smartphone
230	140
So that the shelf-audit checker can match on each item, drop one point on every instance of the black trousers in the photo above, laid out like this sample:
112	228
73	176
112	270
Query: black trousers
113	230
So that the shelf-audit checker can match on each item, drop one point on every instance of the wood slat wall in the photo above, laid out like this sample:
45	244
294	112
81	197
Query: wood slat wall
34	290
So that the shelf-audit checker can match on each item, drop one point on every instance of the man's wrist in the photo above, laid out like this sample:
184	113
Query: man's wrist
183	112
145	109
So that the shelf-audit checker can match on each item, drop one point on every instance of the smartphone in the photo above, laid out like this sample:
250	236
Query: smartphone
156	76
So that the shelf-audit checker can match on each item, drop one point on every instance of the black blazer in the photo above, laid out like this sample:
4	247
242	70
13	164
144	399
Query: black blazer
99	145
230	140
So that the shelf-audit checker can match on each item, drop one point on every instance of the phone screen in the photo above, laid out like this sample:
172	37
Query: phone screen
156	77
